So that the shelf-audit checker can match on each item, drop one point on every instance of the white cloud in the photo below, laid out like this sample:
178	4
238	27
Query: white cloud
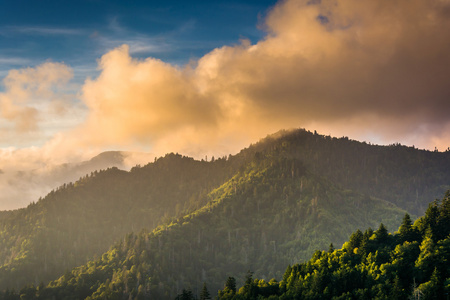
33	99
39	30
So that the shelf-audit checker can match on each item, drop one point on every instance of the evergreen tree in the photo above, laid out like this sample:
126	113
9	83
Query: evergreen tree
331	248
355	240
229	291
204	294
250	289
406	231
230	285
382	233
186	295
433	289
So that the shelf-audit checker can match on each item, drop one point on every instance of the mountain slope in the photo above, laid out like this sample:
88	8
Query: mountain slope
405	176
82	219
412	264
78	221
22	186
272	213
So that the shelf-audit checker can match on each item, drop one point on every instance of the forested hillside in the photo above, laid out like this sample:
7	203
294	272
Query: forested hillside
270	205
272	213
405	176
82	219
413	263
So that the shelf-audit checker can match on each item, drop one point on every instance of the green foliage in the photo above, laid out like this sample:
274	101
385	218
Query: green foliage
83	219
261	219
186	295
204	294
345	274
271	205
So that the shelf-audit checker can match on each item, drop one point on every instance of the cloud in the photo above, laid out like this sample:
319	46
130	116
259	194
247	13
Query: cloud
138	43
13	60
371	70
142	101
38	30
33	91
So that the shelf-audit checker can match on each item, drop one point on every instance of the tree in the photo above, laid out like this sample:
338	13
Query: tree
382	234
229	290
185	295
426	260
204	294
396	290
406	231
355	240
331	248
433	289
250	289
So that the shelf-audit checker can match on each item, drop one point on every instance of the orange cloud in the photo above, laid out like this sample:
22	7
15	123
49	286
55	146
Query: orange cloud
358	67
371	70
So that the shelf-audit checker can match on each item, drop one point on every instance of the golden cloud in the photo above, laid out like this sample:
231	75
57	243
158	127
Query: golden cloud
375	70
359	67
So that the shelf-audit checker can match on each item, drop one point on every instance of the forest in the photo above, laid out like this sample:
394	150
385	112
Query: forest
179	227
412	263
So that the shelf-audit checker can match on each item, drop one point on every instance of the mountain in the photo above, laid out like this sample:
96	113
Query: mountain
79	220
405	176
411	264
270	205
271	213
22	186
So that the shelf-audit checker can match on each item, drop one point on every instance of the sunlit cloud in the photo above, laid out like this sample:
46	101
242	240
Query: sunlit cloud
371	70
328	64
32	96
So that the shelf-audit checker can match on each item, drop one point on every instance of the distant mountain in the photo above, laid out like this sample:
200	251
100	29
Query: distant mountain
270	205
82	219
21	187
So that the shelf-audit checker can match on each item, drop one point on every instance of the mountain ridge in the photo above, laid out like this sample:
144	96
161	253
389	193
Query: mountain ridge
233	232
174	186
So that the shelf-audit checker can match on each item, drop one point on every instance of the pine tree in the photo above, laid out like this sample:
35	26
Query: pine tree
426	259
433	289
405	232
204	294
231	285
331	248
186	295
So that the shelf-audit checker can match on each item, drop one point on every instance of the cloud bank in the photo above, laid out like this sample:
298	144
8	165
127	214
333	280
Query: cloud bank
363	68
372	70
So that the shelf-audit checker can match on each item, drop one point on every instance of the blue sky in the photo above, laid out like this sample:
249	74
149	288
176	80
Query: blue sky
79	32
210	77
375	70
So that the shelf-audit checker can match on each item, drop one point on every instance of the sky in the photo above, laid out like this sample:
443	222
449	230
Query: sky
210	77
